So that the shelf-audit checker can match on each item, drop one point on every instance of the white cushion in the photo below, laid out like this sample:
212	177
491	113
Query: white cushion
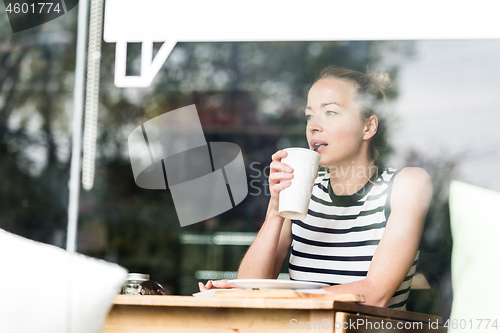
475	267
44	289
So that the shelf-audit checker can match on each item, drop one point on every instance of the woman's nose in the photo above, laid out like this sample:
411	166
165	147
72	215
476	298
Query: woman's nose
313	125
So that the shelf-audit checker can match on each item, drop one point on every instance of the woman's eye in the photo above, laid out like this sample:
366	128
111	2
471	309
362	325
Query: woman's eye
308	117
330	113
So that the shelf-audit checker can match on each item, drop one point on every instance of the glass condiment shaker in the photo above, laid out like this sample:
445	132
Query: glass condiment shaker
132	285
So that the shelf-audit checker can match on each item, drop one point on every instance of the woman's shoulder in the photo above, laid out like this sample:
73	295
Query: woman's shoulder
410	200
403	173
413	179
412	175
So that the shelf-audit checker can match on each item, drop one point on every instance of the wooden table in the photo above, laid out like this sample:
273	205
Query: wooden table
155	314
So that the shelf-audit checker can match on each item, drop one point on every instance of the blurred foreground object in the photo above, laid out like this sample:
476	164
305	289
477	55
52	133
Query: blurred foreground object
49	290
475	228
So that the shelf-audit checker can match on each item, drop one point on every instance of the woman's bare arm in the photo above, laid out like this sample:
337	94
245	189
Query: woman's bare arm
283	247
266	255
410	200
268	251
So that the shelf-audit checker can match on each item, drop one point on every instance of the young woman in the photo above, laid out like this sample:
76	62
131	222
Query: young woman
364	224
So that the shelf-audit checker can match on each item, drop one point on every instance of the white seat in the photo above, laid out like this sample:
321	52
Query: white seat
45	289
475	264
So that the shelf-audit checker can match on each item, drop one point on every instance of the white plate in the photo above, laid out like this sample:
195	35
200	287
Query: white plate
268	284
211	292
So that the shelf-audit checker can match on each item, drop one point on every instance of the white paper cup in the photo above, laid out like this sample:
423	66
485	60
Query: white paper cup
294	200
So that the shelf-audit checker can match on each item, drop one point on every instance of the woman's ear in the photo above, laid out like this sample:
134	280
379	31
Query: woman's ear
371	126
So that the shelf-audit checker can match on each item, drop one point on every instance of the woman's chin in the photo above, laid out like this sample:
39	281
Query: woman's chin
325	162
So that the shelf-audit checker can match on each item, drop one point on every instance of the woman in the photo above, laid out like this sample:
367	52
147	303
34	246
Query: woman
364	224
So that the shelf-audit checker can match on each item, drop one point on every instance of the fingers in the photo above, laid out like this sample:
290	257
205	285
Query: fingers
219	284
205	287
277	166
277	156
223	284
281	186
280	174
279	170
275	177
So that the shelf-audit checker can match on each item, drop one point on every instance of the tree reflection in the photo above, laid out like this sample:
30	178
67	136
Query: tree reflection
35	68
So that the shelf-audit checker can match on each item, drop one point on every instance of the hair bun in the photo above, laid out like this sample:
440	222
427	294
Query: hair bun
382	79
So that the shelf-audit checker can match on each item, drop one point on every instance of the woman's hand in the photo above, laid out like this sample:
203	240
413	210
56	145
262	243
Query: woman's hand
218	284
280	176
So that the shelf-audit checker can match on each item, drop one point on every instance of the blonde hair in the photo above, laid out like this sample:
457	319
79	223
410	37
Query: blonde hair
370	93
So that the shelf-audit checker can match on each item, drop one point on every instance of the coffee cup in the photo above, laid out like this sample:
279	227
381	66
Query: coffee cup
294	200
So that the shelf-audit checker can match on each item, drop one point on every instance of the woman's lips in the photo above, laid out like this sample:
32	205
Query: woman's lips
319	147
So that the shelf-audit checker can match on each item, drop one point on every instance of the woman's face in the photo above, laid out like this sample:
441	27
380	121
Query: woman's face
333	119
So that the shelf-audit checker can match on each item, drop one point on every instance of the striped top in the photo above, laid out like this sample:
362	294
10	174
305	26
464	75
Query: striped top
336	241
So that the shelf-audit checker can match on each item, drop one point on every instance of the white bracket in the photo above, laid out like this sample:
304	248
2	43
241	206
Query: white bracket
149	66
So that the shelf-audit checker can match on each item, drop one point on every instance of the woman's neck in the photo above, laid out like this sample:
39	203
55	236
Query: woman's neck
349	178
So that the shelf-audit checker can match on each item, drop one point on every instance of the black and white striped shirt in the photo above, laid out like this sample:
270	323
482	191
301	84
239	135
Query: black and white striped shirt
336	241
